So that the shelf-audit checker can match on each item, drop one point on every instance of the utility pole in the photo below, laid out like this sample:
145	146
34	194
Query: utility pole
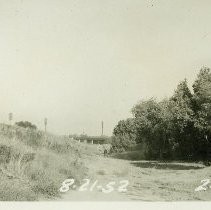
45	123
10	116
102	128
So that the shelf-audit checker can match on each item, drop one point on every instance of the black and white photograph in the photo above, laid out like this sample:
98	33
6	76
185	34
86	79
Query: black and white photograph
105	100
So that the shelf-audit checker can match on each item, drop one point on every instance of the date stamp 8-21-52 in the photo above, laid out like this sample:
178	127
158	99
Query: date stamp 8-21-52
68	184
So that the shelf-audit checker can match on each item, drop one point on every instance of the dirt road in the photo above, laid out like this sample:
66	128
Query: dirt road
148	181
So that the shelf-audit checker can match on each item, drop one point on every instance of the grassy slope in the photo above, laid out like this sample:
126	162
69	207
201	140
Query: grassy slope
33	166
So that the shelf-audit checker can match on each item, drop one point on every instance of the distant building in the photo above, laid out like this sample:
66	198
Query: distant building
93	139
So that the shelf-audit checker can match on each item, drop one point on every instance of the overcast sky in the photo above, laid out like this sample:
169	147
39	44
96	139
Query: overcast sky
78	62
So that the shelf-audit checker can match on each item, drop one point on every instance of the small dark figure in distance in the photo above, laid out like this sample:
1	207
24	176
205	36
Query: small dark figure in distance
105	152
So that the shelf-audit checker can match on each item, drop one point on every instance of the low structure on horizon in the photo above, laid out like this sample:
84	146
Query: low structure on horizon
92	139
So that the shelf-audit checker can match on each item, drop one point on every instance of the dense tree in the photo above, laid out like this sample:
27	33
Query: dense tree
178	127
202	109
124	134
147	120
26	124
182	120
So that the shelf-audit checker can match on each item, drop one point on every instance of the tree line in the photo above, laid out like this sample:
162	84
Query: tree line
178	127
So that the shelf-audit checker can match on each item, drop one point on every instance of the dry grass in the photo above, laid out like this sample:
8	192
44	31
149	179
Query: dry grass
33	165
